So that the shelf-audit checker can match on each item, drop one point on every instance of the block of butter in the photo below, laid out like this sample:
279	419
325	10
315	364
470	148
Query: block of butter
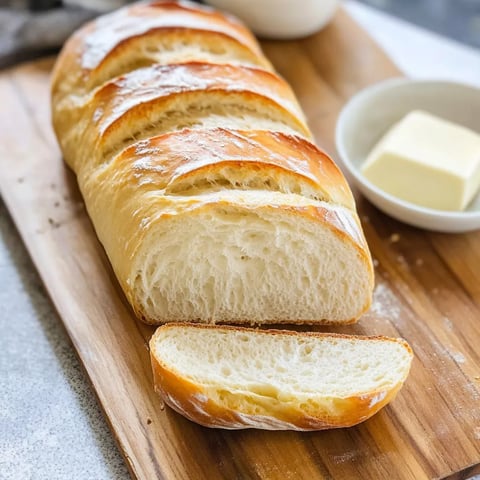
428	161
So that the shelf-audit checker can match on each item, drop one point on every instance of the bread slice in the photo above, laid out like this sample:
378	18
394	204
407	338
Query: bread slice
234	378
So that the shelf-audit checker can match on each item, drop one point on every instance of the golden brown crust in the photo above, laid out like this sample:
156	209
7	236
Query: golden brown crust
173	161
131	103
105	33
196	402
151	83
132	97
90	47
193	403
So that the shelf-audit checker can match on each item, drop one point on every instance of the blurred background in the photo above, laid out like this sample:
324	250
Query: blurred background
457	19
32	27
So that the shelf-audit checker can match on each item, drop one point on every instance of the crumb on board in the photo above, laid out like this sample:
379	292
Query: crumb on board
375	262
448	323
365	218
419	262
53	223
394	238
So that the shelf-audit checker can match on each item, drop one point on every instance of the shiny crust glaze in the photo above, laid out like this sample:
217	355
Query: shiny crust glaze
207	39
109	30
151	84
192	400
90	45
164	161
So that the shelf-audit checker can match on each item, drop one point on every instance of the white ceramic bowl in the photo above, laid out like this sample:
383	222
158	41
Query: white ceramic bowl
370	113
281	19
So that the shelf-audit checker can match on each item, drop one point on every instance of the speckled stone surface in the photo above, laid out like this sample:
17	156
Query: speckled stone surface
51	426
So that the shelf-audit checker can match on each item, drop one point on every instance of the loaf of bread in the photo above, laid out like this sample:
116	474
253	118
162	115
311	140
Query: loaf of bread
200	176
232	377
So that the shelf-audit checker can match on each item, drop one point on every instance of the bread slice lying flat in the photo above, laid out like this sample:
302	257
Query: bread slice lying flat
234	378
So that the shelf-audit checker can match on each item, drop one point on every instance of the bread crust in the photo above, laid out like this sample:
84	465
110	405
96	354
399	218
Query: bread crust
129	98
140	86
176	159
88	50
196	403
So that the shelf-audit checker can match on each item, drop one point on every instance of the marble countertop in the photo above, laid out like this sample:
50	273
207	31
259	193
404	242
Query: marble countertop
51	426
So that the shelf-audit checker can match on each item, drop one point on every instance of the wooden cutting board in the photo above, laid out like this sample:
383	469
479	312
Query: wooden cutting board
427	291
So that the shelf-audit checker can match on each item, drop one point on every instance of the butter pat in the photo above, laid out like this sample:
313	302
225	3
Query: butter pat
427	161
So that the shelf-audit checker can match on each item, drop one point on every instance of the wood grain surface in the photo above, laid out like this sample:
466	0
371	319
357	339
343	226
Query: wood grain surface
427	291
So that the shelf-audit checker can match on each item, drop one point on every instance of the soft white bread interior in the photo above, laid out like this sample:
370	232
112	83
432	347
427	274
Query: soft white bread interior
199	175
244	378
